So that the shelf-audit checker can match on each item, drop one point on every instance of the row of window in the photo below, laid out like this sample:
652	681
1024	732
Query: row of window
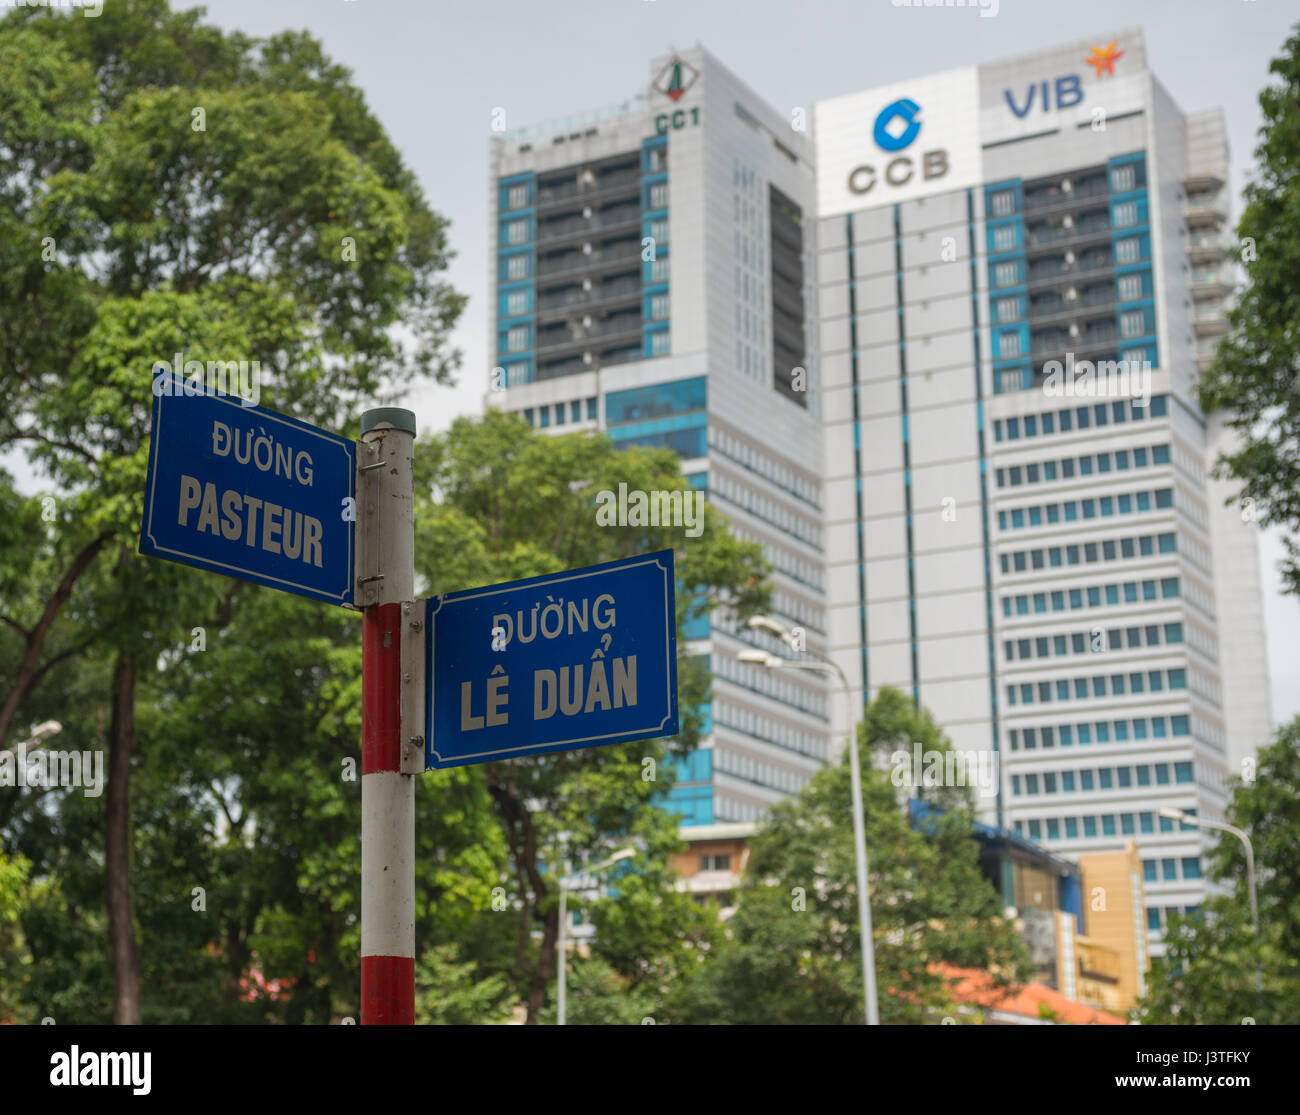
1071	510
783	561
1102	778
563	413
1088	553
748	457
1129	287
1166	870
1102	731
678	396
759	679
1107	824
1080	689
1158	915
1068	467
728	809
1068	419
1095	641
750	236
1097	596
739	765
766	509
751	723
1127	250
1004	201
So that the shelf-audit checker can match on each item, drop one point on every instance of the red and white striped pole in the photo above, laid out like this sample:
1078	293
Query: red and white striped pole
385	589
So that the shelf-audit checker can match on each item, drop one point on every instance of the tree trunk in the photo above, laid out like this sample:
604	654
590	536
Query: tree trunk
121	930
29	671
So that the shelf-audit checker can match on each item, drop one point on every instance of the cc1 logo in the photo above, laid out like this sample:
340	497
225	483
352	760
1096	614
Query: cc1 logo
889	137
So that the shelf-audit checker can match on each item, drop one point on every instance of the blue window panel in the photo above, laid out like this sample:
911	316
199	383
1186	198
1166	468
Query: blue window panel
1183	771
675	397
1153	918
686	443
694	804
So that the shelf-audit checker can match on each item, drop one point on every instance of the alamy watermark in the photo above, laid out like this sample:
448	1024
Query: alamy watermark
91	9
651	509
1106	379
241	378
44	769
988	8
929	768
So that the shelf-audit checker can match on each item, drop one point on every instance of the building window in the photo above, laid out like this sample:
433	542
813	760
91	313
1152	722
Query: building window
1128	250
1004	237
659	343
659	195
517	196
715	863
1130	287
659	307
1126	213
1004	203
1009	308
517	267
1132	323
517	232
1006	274
517	302
517	338
1122	178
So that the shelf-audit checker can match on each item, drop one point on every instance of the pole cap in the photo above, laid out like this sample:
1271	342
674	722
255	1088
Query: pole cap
398	417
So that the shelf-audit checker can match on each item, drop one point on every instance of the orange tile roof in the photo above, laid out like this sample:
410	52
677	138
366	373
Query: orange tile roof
974	986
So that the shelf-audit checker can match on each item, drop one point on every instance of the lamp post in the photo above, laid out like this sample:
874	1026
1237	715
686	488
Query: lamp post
776	662
1173	814
621	854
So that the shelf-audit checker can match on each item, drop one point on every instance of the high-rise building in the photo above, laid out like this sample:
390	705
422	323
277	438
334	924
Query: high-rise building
1021	266
653	266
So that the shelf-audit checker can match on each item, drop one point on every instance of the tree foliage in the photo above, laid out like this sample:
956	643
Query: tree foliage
1256	372
793	949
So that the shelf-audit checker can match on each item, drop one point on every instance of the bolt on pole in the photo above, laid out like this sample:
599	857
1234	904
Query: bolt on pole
385	565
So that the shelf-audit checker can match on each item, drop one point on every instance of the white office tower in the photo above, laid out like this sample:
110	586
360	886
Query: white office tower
1021	266
653	279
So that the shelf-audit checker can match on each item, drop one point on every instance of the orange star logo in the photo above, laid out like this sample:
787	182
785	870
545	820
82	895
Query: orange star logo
1103	59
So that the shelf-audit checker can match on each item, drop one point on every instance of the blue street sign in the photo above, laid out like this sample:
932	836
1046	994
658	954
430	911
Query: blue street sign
576	659
243	491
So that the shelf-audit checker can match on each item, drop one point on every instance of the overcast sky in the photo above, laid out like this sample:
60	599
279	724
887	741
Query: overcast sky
434	71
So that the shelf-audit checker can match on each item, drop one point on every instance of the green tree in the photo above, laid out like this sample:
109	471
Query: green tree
449	991
793	950
1213	962
1256	371
166	188
597	995
496	501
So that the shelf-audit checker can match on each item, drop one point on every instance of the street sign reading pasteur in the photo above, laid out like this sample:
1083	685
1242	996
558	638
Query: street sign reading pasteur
243	491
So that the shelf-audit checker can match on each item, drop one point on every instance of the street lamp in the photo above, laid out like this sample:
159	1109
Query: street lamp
776	662
622	853
1172	814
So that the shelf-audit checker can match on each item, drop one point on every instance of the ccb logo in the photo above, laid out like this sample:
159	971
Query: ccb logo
896	127
905	110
